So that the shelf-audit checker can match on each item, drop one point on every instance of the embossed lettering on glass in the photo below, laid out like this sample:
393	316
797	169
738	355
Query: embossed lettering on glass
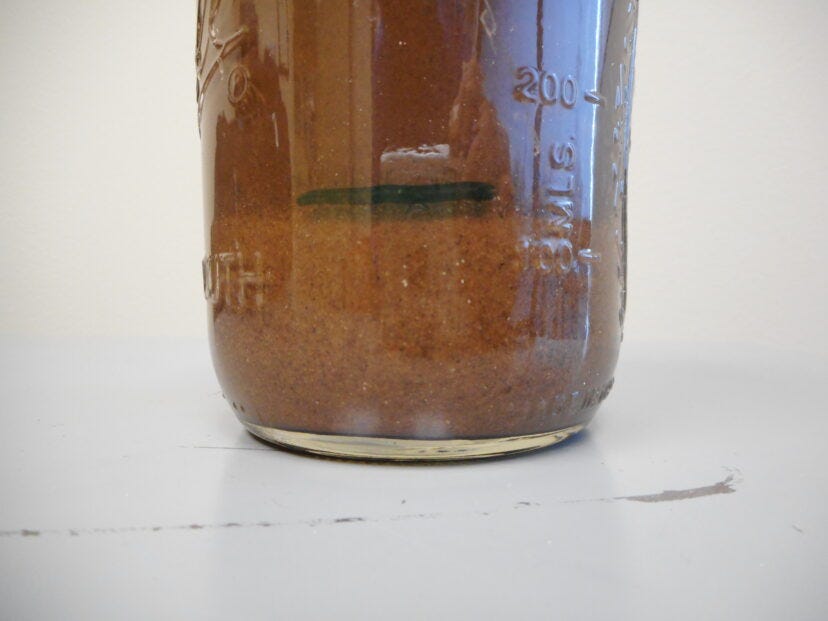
415	218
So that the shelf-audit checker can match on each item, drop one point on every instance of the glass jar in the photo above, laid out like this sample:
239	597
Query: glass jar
415	217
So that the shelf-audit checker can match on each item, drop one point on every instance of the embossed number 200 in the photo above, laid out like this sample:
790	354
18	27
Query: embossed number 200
545	87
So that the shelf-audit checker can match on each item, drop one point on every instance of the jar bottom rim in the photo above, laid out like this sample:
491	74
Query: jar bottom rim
404	449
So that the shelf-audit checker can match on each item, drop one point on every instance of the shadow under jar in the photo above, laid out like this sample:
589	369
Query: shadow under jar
415	217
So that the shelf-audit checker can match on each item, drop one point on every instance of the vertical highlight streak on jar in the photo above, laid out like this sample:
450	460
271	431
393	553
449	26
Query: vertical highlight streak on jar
536	162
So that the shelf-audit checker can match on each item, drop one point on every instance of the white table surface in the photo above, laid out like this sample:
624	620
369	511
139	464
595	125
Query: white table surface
129	491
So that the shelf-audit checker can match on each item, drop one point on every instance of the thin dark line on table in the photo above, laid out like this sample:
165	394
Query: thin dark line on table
725	486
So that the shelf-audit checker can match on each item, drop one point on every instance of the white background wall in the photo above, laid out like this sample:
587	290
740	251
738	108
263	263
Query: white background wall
100	193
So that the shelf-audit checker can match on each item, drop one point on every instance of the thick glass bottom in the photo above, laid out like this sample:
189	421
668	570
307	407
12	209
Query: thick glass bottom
398	449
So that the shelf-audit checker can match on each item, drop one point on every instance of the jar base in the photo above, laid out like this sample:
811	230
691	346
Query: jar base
399	449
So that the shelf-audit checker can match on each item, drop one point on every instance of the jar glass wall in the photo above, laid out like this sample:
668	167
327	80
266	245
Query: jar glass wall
415	217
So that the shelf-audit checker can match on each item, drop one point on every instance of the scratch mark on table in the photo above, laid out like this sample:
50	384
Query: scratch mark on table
725	486
124	530
669	495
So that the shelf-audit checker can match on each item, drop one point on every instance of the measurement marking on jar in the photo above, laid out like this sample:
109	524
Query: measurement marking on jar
588	255
550	249
545	87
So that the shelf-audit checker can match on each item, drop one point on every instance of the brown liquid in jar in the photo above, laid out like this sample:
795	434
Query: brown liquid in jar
415	213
